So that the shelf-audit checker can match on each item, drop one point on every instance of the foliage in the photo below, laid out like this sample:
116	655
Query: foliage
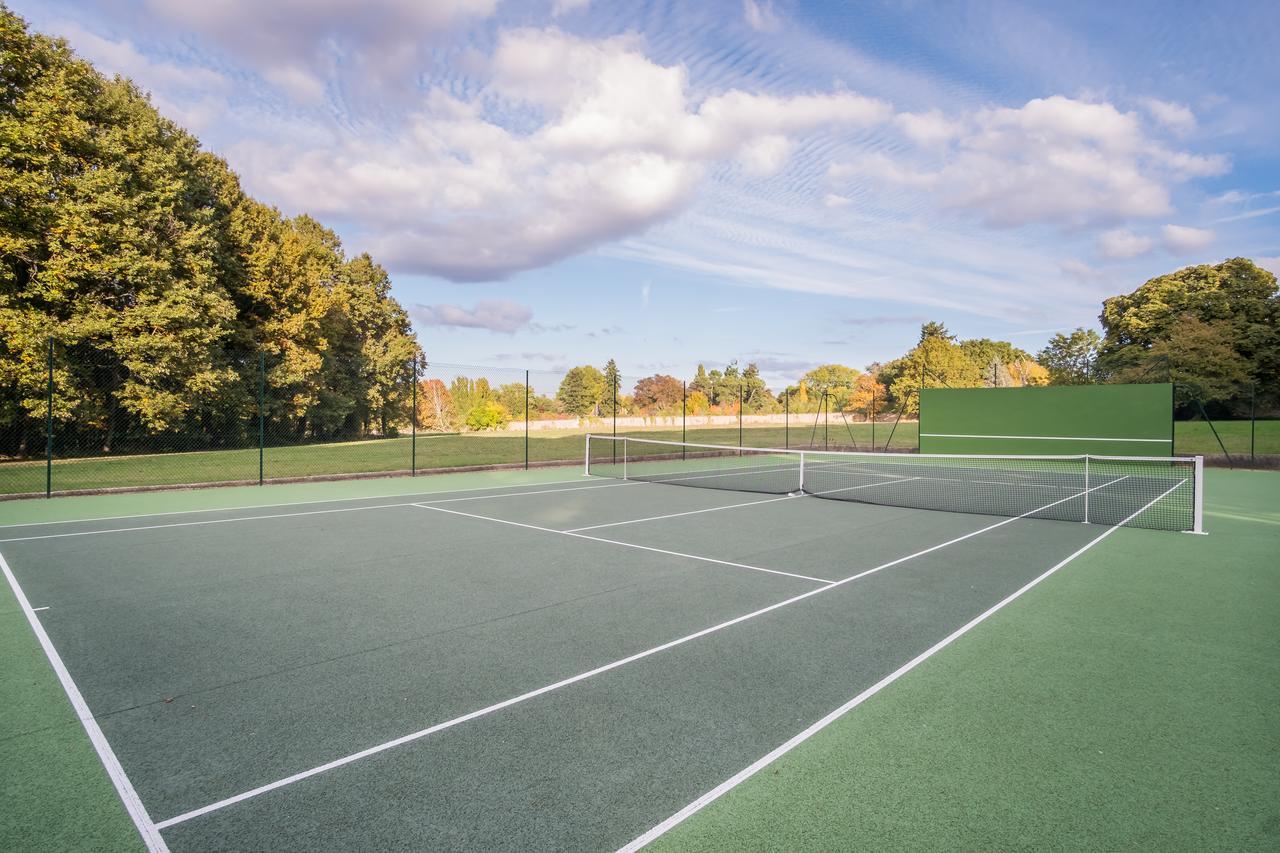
935	362
435	407
581	391
697	403
866	397
487	414
1227	314
658	393
1071	359
163	281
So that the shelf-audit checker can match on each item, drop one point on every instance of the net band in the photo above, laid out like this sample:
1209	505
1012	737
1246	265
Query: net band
1095	489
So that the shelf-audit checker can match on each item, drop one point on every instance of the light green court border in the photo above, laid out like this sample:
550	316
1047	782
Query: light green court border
171	501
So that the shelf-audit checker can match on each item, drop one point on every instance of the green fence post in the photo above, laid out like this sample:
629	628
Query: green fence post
413	421
684	409
873	414
615	419
786	417
262	414
1253	422
739	414
526	420
48	429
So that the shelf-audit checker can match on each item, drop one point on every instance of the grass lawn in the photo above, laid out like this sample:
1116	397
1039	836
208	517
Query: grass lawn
454	451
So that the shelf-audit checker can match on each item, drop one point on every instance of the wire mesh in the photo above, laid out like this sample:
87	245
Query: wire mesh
1153	492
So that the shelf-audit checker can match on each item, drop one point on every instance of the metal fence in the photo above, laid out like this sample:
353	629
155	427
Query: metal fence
75	434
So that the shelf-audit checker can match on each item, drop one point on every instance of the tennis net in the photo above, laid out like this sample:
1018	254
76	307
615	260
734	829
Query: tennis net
1163	493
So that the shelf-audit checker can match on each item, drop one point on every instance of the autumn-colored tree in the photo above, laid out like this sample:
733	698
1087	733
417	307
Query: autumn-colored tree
866	398
697	403
487	414
435	407
658	393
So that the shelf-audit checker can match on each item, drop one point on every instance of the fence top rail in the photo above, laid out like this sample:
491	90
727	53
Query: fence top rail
1077	457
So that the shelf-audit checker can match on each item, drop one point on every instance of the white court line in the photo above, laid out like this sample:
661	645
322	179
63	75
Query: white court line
679	514
749	771
38	609
523	697
146	828
863	486
1044	437
414	495
297	514
627	544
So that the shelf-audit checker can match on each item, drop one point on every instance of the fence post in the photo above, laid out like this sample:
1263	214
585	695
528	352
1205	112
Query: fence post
873	415
262	413
615	419
1253	422
526	420
48	429
684	412
739	414
413	421
786	418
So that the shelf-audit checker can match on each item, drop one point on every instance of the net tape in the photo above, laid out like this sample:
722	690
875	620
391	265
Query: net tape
1094	489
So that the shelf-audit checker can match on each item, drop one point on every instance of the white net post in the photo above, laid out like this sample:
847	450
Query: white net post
1198	498
802	472
626	451
586	459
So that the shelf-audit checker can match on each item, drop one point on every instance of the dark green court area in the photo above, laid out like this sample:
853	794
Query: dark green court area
556	665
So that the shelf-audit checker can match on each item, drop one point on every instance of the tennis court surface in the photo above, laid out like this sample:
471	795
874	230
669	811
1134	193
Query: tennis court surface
545	665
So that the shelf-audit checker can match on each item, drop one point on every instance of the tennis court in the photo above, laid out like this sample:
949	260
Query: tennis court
554	665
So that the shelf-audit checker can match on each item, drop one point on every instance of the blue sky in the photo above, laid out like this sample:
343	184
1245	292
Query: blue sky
561	182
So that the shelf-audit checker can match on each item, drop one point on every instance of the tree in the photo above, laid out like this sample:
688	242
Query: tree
488	414
934	363
1236	299
658	393
511	396
612	388
1071	359
581	391
866	398
701	382
932	329
435	407
697	403
1200	358
834	379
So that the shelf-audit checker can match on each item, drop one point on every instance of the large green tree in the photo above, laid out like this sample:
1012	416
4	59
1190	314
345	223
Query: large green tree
1071	359
1233	304
581	391
162	282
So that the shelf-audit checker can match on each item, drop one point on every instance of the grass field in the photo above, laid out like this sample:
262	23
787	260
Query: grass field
453	451
1128	702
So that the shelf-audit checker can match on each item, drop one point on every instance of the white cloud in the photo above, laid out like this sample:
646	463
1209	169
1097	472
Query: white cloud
1120	243
1055	160
833	200
1080	271
760	16
618	146
1270	264
1176	117
931	128
496	315
295	44
563	7
646	290
1181	240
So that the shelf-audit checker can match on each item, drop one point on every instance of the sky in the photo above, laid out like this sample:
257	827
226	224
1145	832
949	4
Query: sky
559	182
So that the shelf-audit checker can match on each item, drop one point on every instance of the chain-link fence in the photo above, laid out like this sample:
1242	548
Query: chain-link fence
83	429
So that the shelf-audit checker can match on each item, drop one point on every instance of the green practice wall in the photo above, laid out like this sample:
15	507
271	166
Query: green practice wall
1103	420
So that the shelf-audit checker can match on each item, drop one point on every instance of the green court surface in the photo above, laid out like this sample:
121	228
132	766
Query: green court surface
551	661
